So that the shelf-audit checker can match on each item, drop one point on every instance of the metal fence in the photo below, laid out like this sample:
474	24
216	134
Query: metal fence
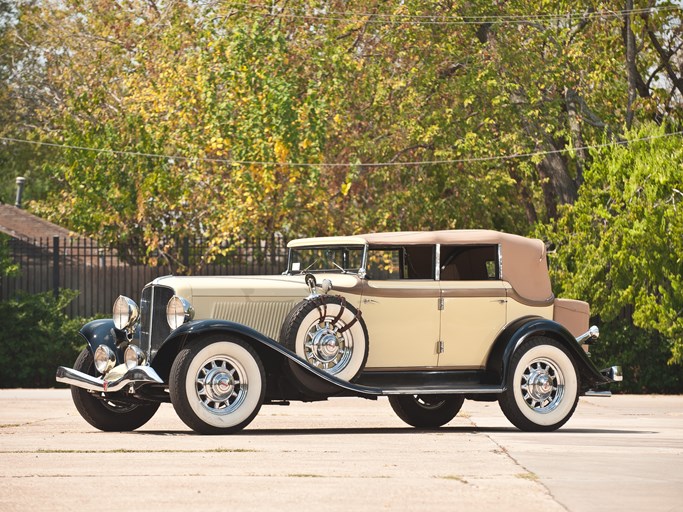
100	274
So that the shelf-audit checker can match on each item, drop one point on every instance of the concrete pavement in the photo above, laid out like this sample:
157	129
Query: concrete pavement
616	454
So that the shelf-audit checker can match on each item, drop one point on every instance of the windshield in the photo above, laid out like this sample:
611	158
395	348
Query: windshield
326	259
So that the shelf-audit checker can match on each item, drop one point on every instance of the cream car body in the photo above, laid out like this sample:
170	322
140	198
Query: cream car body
426	318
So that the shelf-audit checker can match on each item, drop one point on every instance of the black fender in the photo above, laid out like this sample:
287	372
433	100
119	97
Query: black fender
102	332
518	331
270	351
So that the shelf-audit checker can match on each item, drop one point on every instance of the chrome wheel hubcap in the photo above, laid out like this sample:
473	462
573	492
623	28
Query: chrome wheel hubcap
221	385
542	385
326	348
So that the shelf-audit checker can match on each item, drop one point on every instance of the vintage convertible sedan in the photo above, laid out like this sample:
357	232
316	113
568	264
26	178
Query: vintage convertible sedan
427	319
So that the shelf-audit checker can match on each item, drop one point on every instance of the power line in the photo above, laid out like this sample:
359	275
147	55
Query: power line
369	165
439	19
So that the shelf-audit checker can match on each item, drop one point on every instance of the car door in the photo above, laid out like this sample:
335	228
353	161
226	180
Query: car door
473	305
400	306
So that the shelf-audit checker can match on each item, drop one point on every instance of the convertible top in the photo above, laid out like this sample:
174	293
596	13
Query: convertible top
523	262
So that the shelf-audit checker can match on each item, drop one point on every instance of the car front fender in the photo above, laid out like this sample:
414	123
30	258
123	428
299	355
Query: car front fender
271	352
102	332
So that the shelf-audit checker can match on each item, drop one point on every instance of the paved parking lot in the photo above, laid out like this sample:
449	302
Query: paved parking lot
616	454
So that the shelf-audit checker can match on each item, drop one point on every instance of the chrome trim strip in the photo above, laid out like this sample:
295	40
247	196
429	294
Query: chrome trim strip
445	391
437	263
137	375
151	322
398	369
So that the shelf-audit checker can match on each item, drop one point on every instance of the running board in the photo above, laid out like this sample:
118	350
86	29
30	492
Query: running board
466	382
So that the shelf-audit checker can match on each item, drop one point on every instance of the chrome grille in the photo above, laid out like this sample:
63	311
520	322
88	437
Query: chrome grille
153	325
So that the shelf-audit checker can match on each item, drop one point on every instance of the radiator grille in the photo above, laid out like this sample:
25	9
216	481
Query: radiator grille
153	325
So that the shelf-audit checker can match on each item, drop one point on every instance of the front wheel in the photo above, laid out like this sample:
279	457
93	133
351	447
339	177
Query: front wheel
426	411
542	386
217	385
104	413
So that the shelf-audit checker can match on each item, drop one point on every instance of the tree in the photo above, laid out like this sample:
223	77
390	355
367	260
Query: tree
620	246
221	120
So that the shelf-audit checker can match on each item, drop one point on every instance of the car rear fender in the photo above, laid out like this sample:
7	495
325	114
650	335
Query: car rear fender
523	328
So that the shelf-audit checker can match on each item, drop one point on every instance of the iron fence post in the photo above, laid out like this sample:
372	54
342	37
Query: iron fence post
55	266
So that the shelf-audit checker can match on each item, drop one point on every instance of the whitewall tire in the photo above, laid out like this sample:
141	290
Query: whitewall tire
542	386
217	385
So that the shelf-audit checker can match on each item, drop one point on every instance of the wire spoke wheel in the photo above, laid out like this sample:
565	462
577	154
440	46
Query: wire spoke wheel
222	385
542	385
326	348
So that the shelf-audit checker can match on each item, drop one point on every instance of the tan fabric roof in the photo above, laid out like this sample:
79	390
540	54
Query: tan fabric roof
524	263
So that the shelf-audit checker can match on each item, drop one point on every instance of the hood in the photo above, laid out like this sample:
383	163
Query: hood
253	287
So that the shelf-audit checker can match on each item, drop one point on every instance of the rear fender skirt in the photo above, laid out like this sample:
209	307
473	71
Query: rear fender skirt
518	331
267	348
103	332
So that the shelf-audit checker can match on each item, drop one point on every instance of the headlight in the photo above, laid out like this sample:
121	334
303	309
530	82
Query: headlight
105	359
178	311
133	357
126	313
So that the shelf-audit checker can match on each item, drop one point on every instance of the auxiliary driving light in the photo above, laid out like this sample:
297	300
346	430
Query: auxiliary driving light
133	357
105	359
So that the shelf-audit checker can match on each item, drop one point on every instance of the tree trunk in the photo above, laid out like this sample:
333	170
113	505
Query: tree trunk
558	186
630	63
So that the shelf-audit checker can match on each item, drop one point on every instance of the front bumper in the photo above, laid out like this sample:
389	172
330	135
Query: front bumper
117	379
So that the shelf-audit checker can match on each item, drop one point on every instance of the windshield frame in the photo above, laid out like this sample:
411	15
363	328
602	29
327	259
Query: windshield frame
360	272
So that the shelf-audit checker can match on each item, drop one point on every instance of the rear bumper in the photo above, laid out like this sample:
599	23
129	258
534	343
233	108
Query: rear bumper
117	379
613	373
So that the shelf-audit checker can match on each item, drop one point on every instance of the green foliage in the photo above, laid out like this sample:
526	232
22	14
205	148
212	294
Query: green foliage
7	265
644	356
35	338
620	247
310	82
350	83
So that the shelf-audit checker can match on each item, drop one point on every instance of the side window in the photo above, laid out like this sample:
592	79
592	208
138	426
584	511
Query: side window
469	262
384	264
404	262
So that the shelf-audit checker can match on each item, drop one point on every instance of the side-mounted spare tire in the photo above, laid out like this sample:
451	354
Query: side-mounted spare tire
329	333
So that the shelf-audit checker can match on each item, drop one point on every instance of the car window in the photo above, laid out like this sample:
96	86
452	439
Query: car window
401	262
469	263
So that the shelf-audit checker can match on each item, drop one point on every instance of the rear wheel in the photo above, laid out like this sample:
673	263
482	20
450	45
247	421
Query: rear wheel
217	385
542	386
103	413
426	411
